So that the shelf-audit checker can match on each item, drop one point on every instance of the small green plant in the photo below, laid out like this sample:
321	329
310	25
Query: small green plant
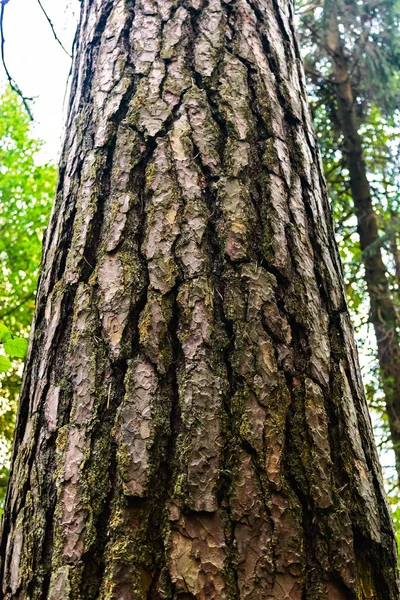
13	346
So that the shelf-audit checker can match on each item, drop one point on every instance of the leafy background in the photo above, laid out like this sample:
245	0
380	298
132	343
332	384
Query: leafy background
369	32
26	192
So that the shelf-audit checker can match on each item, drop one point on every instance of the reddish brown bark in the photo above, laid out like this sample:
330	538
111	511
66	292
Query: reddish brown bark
192	422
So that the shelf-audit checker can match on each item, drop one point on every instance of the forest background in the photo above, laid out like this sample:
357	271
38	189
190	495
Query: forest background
369	48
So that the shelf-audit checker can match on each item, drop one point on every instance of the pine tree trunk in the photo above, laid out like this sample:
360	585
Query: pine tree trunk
192	421
383	314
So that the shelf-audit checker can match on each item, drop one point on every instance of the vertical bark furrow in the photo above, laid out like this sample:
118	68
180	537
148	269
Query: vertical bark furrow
191	380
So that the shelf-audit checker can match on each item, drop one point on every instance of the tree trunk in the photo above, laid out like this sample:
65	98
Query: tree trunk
383	312
192	421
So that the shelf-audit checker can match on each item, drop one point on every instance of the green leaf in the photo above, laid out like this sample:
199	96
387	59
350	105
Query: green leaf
5	363
5	333
27	187
16	347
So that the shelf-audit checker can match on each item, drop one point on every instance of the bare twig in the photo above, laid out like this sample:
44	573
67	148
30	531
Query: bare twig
12	309
318	75
11	81
52	29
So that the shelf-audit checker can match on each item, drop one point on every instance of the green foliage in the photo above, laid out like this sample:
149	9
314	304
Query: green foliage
5	364
370	35
381	144
394	504
26	190
370	38
15	347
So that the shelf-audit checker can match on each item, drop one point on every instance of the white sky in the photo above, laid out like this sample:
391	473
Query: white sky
38	64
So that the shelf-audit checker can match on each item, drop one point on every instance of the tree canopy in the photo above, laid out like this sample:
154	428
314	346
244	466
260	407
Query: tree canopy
370	40
26	192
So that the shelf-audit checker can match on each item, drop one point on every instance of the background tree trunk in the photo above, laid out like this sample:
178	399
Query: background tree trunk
383	312
192	420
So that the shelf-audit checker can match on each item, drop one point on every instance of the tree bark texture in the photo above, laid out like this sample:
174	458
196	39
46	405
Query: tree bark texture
192	421
383	313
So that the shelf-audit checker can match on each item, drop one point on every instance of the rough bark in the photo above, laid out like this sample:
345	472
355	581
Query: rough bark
383	314
192	421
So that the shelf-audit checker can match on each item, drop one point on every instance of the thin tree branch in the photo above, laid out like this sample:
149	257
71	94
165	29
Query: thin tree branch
318	75
52	28
12	309
11	81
